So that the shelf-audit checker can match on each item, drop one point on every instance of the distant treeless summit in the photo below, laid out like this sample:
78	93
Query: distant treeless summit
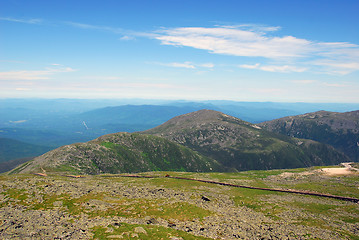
340	130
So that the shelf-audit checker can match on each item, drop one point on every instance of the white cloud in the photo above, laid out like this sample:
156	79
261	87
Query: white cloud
235	41
284	68
254	41
182	65
188	65
338	67
255	66
127	38
19	20
33	75
207	65
274	68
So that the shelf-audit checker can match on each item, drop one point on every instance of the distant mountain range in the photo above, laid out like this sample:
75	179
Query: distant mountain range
340	130
202	141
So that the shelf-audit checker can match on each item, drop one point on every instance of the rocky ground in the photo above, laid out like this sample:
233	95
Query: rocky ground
114	207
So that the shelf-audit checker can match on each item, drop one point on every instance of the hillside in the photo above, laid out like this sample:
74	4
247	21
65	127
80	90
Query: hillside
241	145
340	130
118	153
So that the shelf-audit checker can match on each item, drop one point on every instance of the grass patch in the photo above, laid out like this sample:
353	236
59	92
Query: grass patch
47	203
249	197
16	194
128	231
155	208
176	183
335	186
66	168
316	208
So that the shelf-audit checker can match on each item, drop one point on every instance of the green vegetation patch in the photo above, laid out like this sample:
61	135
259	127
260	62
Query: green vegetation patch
155	208
109	145
179	184
65	168
249	197
18	195
135	231
334	185
317	208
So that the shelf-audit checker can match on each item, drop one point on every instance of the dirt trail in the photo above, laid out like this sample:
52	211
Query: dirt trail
348	169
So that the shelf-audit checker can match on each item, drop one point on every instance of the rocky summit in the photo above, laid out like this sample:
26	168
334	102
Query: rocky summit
240	145
340	130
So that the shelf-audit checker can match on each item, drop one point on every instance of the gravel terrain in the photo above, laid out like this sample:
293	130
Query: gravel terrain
58	207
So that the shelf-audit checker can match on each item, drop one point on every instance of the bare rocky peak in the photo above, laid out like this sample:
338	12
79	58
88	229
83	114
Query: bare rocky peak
340	130
200	116
200	119
335	120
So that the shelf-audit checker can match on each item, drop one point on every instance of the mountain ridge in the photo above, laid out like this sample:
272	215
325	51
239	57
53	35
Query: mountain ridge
121	152
340	130
200	141
243	145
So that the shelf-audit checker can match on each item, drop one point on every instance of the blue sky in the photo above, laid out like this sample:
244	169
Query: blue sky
282	51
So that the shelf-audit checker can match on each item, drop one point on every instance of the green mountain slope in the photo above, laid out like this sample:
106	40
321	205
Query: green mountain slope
242	145
121	152
340	130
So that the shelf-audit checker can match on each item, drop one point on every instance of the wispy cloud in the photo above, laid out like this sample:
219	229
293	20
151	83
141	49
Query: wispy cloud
306	81
274	68
33	75
235	41
188	65
335	85
127	38
289	53
102	78
96	27
20	20
253	27
340	66
181	65
248	41
207	65
22	89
